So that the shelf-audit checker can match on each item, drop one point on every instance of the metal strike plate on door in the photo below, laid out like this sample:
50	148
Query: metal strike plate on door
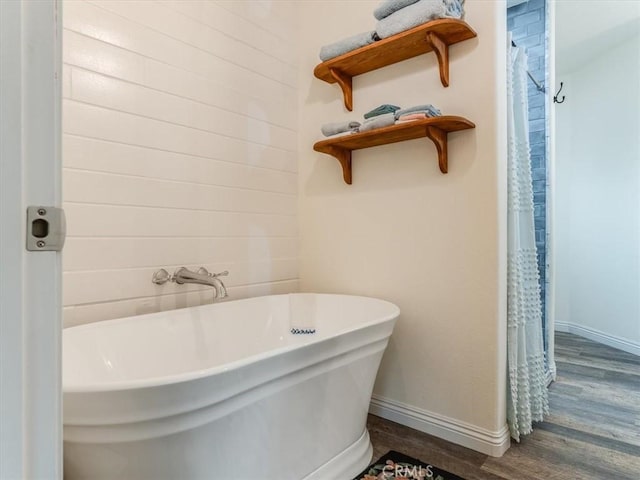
46	229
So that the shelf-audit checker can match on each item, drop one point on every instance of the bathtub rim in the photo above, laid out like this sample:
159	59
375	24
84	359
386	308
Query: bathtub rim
128	385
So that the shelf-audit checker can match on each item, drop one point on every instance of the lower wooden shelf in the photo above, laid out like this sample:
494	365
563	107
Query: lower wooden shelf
435	128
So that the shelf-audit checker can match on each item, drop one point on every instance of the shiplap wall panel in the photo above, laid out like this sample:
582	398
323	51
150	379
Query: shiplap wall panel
87	53
85	313
179	148
282	18
100	24
274	42
95	220
99	188
122	253
96	122
135	282
183	28
83	153
96	89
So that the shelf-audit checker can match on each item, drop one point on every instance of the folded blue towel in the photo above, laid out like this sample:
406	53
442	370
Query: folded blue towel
347	44
428	109
417	14
456	8
378	122
387	7
329	129
382	109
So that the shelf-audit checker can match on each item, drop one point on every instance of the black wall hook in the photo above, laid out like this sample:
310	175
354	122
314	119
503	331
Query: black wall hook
555	98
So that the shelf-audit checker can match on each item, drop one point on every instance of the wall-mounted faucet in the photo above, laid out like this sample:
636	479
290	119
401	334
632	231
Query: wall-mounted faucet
202	277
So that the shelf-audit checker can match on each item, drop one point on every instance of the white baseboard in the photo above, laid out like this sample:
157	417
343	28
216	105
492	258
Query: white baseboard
461	433
600	337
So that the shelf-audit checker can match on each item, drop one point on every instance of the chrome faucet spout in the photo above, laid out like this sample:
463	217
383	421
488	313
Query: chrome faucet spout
202	277
221	290
184	275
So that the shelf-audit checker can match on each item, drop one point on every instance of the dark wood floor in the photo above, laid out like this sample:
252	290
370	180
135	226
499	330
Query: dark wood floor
592	432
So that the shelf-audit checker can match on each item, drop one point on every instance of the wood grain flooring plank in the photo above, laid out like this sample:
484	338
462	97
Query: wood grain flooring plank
576	434
613	372
591	433
545	455
466	463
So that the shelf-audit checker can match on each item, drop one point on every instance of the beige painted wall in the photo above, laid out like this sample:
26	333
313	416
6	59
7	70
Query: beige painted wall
434	244
180	139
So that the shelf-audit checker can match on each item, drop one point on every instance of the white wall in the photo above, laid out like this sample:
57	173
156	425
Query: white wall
598	198
434	244
180	139
590	27
30	282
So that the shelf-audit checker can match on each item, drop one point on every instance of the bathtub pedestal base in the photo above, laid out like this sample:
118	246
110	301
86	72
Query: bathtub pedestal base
348	463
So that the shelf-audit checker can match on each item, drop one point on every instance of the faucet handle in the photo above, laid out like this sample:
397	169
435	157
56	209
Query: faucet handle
203	271
161	277
221	274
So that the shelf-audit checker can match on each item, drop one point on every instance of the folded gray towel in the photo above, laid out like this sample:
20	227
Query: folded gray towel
387	7
429	109
378	122
333	128
417	14
346	45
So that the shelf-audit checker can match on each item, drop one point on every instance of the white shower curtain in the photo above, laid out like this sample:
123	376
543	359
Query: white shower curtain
527	394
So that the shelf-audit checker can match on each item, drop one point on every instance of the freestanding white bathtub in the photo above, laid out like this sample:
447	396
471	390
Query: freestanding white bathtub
225	391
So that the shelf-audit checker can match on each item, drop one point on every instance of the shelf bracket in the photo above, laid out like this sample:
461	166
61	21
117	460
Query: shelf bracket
439	138
441	50
344	157
346	85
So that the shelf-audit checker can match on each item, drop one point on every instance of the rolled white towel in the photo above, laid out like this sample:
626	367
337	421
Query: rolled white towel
345	45
417	14
343	134
387	7
333	128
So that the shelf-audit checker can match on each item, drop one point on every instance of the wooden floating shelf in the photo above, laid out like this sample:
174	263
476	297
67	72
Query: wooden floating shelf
435	128
435	36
